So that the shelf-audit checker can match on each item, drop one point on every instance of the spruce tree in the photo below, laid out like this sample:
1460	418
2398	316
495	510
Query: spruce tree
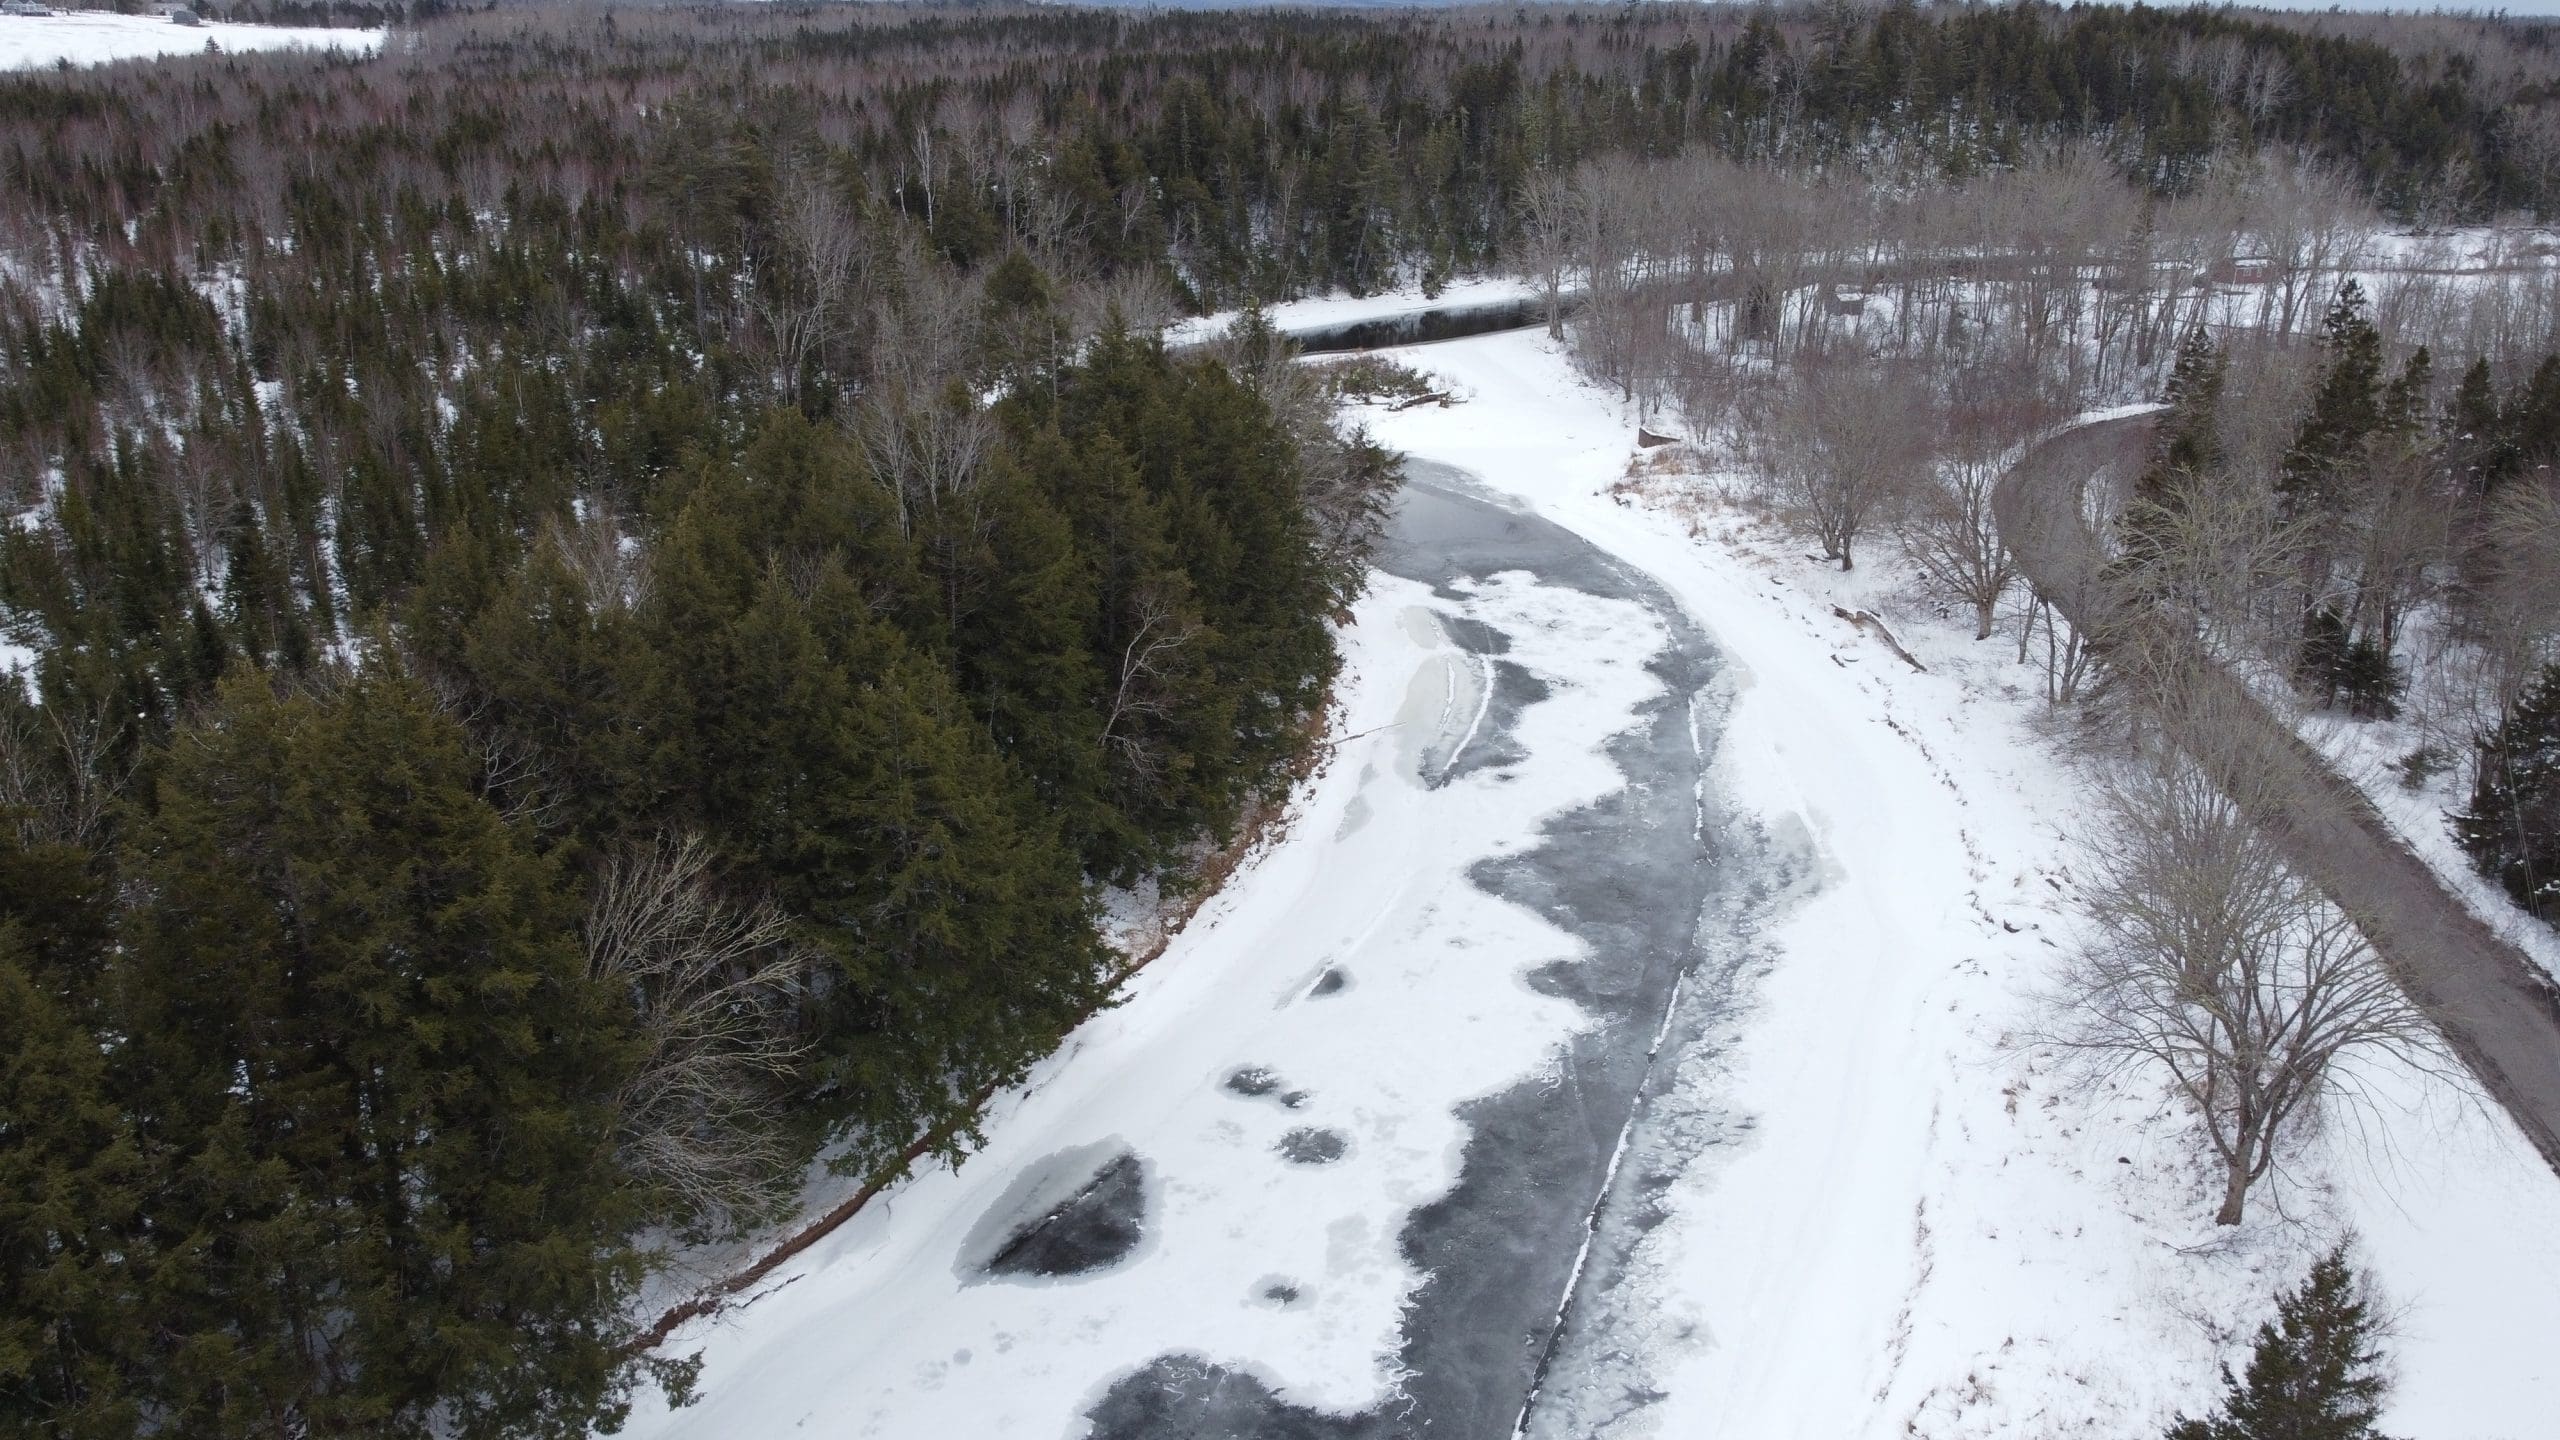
2476	437
2320	467
2191	438
2512	830
2315	1372
367	1055
834	763
2188	446
72	1257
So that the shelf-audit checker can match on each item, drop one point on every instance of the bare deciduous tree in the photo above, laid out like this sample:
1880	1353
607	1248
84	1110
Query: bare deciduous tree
1150	664
2310	222
2519	607
1954	539
1949	529
2214	963
2215	556
806	289
708	982
925	450
610	564
58	772
1850	439
1549	228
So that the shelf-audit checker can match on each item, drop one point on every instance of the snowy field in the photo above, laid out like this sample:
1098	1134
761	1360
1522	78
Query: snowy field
1872	1205
94	38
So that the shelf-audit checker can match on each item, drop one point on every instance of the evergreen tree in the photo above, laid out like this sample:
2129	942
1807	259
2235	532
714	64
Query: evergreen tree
2315	1372
253	587
366	1057
2477	444
1024	657
2512	830
2188	446
72	1257
2320	468
2532	417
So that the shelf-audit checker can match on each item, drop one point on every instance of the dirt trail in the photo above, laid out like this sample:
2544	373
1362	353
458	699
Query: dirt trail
2494	1006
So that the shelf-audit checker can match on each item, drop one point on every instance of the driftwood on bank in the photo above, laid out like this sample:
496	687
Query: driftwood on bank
1869	621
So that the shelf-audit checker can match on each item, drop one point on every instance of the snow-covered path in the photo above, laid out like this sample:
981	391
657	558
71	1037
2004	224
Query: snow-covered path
1335	1155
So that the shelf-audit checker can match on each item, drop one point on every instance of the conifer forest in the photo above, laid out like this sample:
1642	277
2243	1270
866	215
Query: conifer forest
607	611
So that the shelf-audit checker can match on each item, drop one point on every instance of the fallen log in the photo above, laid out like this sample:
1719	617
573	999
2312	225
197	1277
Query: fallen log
1868	620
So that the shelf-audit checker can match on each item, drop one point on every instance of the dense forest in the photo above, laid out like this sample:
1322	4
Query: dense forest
599	597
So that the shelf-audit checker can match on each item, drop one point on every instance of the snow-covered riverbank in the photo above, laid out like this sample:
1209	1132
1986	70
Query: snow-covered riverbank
1881	1214
1349	1125
1860	1201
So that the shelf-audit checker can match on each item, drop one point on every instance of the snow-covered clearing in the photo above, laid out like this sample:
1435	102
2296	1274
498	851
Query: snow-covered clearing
88	37
1884	1211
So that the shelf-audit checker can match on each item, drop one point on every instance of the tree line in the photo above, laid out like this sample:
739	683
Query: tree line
527	728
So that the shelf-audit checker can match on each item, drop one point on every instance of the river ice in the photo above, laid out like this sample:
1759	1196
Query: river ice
1337	1152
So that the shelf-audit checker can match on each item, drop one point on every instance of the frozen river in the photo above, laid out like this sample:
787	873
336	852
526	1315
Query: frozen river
1624	875
1332	1169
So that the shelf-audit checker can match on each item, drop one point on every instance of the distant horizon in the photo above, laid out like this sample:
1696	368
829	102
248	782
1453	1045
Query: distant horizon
2529	10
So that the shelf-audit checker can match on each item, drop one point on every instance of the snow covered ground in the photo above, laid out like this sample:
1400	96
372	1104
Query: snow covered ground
1861	1201
1886	1215
88	37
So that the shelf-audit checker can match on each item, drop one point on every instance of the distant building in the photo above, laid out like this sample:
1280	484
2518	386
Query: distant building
24	7
181	15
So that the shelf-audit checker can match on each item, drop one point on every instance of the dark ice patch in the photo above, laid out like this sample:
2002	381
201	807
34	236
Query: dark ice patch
1308	1145
1075	1213
1474	636
1183	1397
